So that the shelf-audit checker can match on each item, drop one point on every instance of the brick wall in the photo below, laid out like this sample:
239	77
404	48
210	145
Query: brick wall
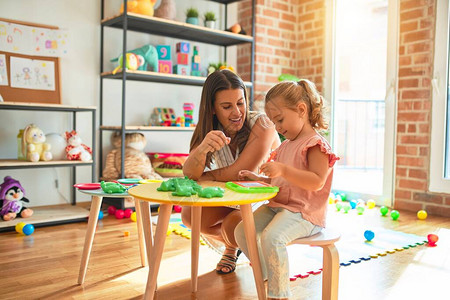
416	46
289	39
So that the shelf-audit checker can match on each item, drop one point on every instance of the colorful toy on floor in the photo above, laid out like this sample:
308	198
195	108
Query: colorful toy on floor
177	208
111	210
75	149
422	215
34	146
370	203
12	200
338	206
360	210
24	228
347	208
100	215
353	203
384	210
119	214
432	240
133	217
128	212
369	235
112	187
395	214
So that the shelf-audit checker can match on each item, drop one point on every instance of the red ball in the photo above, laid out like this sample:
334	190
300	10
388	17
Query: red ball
119	214
177	208
432	239
128	212
111	210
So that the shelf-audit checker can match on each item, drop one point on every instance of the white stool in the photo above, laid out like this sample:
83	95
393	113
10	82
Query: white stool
330	273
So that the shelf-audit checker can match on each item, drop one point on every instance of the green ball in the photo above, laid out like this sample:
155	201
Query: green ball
395	214
384	210
338	206
347	208
343	197
360	210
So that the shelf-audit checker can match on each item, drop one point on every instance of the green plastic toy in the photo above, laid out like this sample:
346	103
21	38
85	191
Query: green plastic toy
112	187
251	187
210	192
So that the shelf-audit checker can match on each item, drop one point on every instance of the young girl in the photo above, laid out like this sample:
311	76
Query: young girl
302	169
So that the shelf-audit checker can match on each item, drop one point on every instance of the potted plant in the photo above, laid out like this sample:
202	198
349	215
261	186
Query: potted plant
210	19
192	16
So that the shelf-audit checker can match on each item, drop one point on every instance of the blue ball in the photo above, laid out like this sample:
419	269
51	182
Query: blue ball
100	215
28	229
369	235
353	203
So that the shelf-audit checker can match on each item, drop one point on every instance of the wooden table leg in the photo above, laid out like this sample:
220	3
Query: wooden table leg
156	252
196	217
250	236
142	247
90	232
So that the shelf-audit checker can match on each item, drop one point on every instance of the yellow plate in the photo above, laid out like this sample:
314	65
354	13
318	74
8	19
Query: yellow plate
142	181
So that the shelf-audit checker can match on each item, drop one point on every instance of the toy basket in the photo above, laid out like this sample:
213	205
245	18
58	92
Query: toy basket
168	164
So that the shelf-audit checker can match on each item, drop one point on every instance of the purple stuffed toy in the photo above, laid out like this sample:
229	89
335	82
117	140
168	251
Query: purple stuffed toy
12	195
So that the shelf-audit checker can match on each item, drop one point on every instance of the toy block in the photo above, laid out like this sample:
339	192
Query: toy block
182	59
181	69
163	52
196	59
196	73
183	47
195	50
165	66
167	115
195	67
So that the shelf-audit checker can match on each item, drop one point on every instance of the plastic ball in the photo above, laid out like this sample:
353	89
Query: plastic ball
422	215
111	210
19	227
100	215
338	198
384	210
346	208
119	214
133	216
338	206
28	229
360	210
353	203
432	239
343	196
369	235
395	214
128	212
177	208
370	203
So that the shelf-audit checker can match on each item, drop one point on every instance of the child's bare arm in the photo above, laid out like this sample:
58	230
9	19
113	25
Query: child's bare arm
249	175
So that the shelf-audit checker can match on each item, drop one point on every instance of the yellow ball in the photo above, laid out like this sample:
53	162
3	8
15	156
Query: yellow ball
19	227
422	215
370	204
133	216
330	200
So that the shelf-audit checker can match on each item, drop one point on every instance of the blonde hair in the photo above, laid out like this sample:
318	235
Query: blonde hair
305	91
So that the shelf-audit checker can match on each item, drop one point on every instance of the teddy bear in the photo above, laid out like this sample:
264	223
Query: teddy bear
12	199
143	7
137	164
34	145
75	149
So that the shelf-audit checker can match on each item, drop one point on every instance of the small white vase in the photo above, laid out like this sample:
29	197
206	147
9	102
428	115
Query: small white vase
210	24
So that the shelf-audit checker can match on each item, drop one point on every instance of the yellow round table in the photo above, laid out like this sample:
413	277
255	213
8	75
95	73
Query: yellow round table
147	193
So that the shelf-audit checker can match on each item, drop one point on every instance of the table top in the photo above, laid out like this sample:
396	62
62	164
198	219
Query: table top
148	192
101	193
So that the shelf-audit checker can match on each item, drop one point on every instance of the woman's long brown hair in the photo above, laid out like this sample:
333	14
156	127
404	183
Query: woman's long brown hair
207	120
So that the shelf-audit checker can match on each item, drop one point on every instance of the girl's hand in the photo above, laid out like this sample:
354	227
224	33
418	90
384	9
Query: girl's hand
273	169
247	175
213	141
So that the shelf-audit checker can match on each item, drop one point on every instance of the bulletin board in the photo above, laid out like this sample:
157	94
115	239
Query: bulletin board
15	94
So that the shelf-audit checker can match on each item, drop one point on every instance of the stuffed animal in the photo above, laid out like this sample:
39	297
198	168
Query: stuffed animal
75	149
148	55
33	144
137	163
12	198
143	7
167	10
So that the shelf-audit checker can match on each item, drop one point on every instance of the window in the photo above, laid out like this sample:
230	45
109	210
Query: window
440	128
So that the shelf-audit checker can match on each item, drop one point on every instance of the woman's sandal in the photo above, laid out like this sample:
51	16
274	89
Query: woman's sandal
228	261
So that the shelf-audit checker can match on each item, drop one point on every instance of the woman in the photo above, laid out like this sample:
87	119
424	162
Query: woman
228	138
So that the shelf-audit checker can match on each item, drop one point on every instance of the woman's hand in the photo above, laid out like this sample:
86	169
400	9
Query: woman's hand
273	169
213	141
247	175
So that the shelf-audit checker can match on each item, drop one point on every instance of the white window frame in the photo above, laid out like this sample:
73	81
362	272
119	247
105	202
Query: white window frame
439	101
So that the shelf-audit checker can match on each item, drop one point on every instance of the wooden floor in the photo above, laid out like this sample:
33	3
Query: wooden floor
45	265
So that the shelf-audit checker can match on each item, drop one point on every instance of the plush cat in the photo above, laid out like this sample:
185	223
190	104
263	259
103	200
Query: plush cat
137	163
12	198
